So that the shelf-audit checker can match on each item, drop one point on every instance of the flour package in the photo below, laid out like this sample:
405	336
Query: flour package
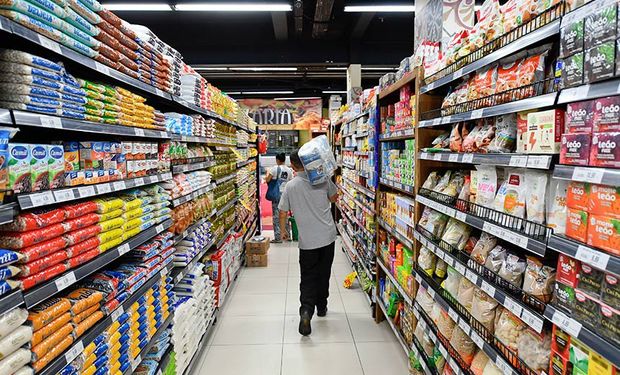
318	160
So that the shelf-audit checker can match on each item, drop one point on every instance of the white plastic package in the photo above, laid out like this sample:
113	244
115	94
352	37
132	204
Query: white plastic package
318	160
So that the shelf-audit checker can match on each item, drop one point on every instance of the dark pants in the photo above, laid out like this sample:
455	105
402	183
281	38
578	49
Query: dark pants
316	267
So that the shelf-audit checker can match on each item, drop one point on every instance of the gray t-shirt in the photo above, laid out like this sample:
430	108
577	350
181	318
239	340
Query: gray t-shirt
286	174
312	210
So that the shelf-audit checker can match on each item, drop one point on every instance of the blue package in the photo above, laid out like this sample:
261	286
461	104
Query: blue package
102	371
7	256
8	272
101	350
101	361
124	328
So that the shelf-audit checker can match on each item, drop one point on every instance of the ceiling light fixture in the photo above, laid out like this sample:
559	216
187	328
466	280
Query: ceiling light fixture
234	93
137	7
200	68
267	92
264	69
334	92
380	8
234	7
336	68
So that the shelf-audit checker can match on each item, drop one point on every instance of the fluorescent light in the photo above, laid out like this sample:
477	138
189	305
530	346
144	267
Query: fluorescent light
336	68
138	6
333	92
209	68
377	68
300	98
268	92
234	93
264	69
234	7
379	8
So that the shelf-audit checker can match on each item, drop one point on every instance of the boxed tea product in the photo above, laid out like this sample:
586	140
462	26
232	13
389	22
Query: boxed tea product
606	114
604	233
577	224
19	168
611	290
572	73
578	195
604	200
72	156
590	280
39	177
604	151
56	166
586	309
571	39
568	270
579	117
599	62
91	155
545	131
610	321
575	148
600	25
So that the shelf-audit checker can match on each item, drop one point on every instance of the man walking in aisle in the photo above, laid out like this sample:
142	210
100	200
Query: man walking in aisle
277	177
311	208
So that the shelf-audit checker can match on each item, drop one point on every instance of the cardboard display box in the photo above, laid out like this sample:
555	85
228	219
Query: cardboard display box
257	245
256	260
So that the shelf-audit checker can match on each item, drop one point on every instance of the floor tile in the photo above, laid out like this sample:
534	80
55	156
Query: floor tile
341	269
260	285
273	270
256	304
334	304
365	329
355	303
243	359
279	256
293	270
240	330
323	358
382	358
331	328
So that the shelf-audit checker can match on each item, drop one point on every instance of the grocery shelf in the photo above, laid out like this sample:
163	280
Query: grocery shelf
226	207
505	160
134	363
48	197
397	135
41	292
350	148
587	336
401	290
221	241
193	195
8	212
407	189
178	238
165	360
489	350
180	168
368	210
522	311
540	101
347	241
394	232
585	253
190	369
245	162
78	346
226	178
196	139
605	176
589	91
358	116
526	40
394	87
399	337
207	113
349	166
369	193
363	153
535	246
11	300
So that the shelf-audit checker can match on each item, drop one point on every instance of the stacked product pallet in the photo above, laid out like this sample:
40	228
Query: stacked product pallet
116	218
498	244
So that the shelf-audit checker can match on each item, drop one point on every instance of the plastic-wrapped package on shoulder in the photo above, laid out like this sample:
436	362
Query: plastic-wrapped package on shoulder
318	160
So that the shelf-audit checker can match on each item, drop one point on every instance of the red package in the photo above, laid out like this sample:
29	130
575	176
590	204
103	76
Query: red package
606	114
107	51
110	306
604	152
76	210
20	240
579	117
127	51
110	17
80	235
42	249
46	274
42	263
125	70
108	40
104	60
81	222
82	247
575	149
34	220
128	63
568	269
82	258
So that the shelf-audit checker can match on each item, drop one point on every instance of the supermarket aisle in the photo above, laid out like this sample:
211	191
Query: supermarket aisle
257	330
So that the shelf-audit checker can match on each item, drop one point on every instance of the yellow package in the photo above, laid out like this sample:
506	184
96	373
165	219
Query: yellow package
133	204
150	299
129	215
113	340
89	349
111	224
114	348
115	367
110	235
90	370
132	224
108	204
110	244
131	233
110	215
114	356
89	360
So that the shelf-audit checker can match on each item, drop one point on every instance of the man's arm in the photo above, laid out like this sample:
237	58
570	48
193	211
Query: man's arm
268	176
332	191
284	207
283	217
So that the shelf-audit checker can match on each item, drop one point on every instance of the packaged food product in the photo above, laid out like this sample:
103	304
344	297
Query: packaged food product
9	321
28	282
610	293
81	299
87	323
599	62
52	353
538	280
575	149
45	313
545	130
47	330
484	245
487	185
463	345
19	168
535	349
577	224
604	152
505	134
522	140
604	200
479	362
39	176
605	114
42	263
508	329
610	321
512	269
42	249
483	309
510	197
14	340
536	189
39	350
456	140
452	282
603	233
571	38
56	166
15	361
572	72
567	270
466	293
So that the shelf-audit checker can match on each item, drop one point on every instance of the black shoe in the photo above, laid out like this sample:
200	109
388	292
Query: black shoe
321	312
304	324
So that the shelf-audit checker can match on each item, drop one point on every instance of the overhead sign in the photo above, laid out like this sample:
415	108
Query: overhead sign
298	114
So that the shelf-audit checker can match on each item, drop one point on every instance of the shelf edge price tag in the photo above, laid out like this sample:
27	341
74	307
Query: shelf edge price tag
461	216
503	365
471	276
102	68
537	161
532	320
116	313
571	326
464	326
460	268
65	281
104	189
477	339
72	353
593	175
50	44
123	249
51	122
159	228
487	288
453	315
476	114
468	158
512	306
86	191
596	258
443	351
453	158
63	195
42	199
454	366
518	161
139	132
424	155
119	185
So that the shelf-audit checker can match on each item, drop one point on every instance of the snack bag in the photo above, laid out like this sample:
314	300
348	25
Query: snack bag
348	280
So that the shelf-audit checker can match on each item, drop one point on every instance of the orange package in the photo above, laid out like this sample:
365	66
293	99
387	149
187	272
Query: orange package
45	313
604	233
577	224
578	195
483	84
45	331
87	323
53	353
83	298
79	318
530	70
604	200
507	79
54	339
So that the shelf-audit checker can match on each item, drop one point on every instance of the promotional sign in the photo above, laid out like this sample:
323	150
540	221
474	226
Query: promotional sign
298	114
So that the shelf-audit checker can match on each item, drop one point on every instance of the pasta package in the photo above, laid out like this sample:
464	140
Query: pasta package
87	323
508	330
52	353
14	340
11	320
39	350
50	328
81	299
45	313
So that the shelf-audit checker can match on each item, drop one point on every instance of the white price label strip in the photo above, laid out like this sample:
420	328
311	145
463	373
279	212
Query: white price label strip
63	195
453	158
119	185
477	339
471	276
86	191
51	122
592	257
104	188
42	199
454	366
102	68
431	292
65	281
159	228
72	353
505	234
468	158
116	313
49	44
139	132
518	161
476	114
532	320
503	366
453	315
123	249
513	306
443	351
572	327
537	161
488	288
592	175
424	155
464	326
460	268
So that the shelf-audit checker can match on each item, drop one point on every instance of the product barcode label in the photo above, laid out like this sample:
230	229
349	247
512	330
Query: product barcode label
159	228
476	114
453	315
570	326
461	216
592	175
534	161
477	339
104	188
63	195
65	281
123	249
424	155
139	181
139	132
512	306
42	199
443	351
503	366
453	158
464	326
518	161
51	122
459	267
488	288
592	257
72	353
119	185
471	276
437	157
449	260
468	158
86	191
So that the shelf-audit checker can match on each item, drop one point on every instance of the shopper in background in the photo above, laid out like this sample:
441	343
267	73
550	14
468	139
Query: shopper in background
276	179
311	208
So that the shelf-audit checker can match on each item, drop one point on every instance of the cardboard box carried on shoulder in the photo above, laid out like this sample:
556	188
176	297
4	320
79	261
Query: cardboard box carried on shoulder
258	245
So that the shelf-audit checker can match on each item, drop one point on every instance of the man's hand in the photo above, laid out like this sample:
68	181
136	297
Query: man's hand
284	234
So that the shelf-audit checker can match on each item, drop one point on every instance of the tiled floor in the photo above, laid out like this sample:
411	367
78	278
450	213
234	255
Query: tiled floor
257	329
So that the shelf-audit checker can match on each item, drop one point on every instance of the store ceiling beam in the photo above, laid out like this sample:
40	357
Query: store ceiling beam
280	25
322	17
298	13
362	25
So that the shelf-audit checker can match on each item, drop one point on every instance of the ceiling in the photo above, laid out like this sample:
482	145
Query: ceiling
316	35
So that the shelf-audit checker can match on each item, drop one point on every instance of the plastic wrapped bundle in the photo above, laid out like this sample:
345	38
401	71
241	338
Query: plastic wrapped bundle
318	160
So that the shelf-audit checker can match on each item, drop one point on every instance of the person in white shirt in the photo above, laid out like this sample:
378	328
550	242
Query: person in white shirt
283	174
